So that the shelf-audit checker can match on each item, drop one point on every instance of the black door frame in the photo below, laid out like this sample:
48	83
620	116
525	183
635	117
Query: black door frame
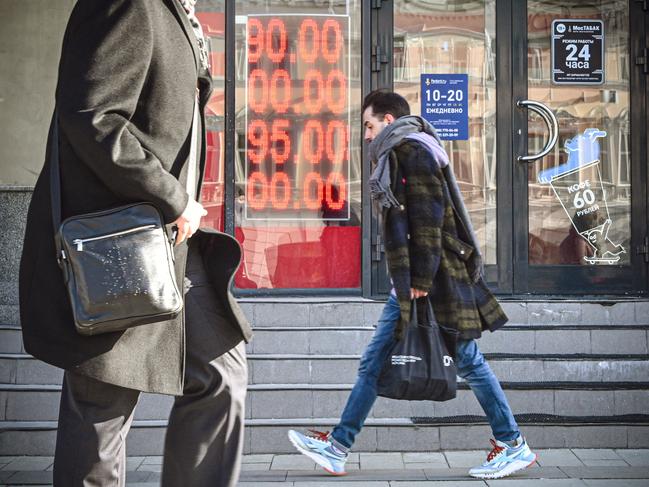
499	277
579	280
513	276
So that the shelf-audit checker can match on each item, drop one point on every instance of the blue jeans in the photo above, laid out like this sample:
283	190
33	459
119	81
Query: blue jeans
471	366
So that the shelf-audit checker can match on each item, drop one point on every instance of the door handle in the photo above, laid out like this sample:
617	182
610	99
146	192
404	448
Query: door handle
551	122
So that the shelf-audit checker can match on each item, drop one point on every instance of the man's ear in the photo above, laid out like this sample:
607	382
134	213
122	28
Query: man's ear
389	118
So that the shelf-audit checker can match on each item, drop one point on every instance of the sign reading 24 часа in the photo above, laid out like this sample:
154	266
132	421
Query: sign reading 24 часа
444	103
577	51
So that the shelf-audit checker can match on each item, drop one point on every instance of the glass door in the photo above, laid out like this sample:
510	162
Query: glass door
579	178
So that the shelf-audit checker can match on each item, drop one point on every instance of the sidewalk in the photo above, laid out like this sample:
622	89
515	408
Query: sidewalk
556	468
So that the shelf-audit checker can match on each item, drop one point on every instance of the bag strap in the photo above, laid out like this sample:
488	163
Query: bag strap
55	172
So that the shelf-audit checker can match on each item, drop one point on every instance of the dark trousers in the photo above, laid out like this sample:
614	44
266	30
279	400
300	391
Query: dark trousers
204	440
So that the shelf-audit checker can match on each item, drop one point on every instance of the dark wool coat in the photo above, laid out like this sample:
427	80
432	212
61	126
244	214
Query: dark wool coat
427	247
127	82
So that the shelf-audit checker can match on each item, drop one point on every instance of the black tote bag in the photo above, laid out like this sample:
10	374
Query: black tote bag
419	366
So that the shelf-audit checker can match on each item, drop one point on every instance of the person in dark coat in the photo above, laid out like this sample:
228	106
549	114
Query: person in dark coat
432	253
130	76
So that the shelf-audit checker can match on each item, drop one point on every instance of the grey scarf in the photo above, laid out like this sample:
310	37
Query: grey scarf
189	6
413	127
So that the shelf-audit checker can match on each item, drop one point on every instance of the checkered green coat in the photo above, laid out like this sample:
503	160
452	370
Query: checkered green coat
424	249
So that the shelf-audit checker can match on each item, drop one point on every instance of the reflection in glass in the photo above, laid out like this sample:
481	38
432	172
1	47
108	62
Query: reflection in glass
456	37
297	166
565	226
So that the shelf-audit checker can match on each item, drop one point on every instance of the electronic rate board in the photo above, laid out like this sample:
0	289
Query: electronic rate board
297	141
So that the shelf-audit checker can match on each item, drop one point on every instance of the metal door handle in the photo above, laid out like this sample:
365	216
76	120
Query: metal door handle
550	120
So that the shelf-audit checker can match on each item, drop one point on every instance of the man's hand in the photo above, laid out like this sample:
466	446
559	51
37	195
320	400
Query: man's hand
417	293
189	221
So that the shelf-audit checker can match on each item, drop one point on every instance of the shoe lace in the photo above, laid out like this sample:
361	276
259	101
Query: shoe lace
319	435
495	450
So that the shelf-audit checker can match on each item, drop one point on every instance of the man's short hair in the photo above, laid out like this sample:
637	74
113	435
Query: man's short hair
383	102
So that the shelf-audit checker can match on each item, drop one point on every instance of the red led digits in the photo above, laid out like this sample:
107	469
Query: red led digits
257	180
336	191
255	40
280	105
257	137
280	179
336	141
281	136
308	49
313	101
258	99
331	53
313	202
276	55
311	51
313	141
336	103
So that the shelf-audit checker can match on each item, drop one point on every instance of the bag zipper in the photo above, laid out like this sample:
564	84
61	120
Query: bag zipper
80	241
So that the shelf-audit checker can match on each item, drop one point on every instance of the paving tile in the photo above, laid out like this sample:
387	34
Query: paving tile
142	484
245	467
4	475
536	483
30	464
607	472
636	458
596	454
558	457
31	477
156	460
265	484
263	476
141	476
440	483
258	458
469	458
292	462
149	468
381	461
328	483
133	462
357	476
617	483
433	459
605	463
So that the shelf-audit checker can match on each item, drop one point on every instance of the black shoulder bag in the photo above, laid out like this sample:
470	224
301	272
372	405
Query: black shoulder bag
419	366
118	264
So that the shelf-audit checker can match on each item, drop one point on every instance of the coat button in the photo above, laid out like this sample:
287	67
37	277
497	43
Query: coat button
462	252
401	207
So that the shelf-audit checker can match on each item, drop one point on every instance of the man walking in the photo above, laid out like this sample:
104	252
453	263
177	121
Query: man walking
431	251
133	83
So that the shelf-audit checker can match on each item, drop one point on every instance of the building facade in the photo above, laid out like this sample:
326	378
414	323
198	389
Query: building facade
542	106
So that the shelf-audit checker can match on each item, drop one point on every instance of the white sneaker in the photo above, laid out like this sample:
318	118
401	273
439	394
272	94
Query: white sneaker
504	460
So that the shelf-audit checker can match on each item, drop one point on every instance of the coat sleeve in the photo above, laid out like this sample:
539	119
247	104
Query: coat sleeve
425	207
104	67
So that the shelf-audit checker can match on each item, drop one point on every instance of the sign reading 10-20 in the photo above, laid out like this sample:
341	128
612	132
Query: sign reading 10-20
577	51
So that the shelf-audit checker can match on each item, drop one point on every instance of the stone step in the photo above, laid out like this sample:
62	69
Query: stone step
342	311
269	436
527	339
325	369
264	312
268	401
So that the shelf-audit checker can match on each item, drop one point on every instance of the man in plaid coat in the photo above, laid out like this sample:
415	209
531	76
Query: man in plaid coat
431	251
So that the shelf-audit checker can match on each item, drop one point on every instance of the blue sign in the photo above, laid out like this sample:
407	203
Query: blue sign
445	104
